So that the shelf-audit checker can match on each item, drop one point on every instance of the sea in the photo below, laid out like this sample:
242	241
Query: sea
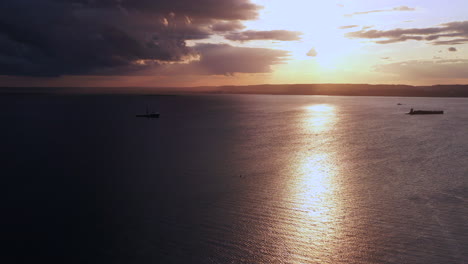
233	179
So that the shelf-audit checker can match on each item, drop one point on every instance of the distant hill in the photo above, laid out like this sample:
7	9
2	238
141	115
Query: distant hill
352	90
283	89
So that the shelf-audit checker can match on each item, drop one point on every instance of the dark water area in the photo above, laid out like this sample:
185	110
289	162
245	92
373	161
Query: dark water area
233	179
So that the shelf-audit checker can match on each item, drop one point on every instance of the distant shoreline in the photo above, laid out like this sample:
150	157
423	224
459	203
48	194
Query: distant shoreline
270	89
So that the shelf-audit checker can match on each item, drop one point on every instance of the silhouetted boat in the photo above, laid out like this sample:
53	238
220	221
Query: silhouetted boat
154	115
424	112
149	115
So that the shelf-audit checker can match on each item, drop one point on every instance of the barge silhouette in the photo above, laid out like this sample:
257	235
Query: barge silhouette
424	112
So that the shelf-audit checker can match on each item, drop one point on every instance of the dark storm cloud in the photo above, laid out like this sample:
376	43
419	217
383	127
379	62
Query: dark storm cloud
283	35
73	37
457	30
224	59
400	8
214	9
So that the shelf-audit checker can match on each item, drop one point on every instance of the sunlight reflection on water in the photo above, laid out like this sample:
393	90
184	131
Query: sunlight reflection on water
318	118
315	185
314	192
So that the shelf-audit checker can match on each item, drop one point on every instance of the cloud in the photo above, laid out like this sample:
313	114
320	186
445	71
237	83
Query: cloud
346	27
400	8
227	59
419	69
403	8
224	59
78	37
451	42
198	9
225	26
283	35
312	53
457	30
452	49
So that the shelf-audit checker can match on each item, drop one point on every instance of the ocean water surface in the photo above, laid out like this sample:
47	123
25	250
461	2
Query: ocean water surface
234	179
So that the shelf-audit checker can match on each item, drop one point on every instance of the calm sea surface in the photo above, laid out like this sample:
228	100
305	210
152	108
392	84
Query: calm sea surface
233	179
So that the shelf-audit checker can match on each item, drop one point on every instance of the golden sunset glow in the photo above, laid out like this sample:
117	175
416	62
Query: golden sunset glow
341	59
248	42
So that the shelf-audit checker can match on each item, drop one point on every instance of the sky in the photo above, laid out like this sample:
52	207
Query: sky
181	43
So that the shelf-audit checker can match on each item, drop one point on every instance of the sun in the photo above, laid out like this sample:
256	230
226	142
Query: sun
319	21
